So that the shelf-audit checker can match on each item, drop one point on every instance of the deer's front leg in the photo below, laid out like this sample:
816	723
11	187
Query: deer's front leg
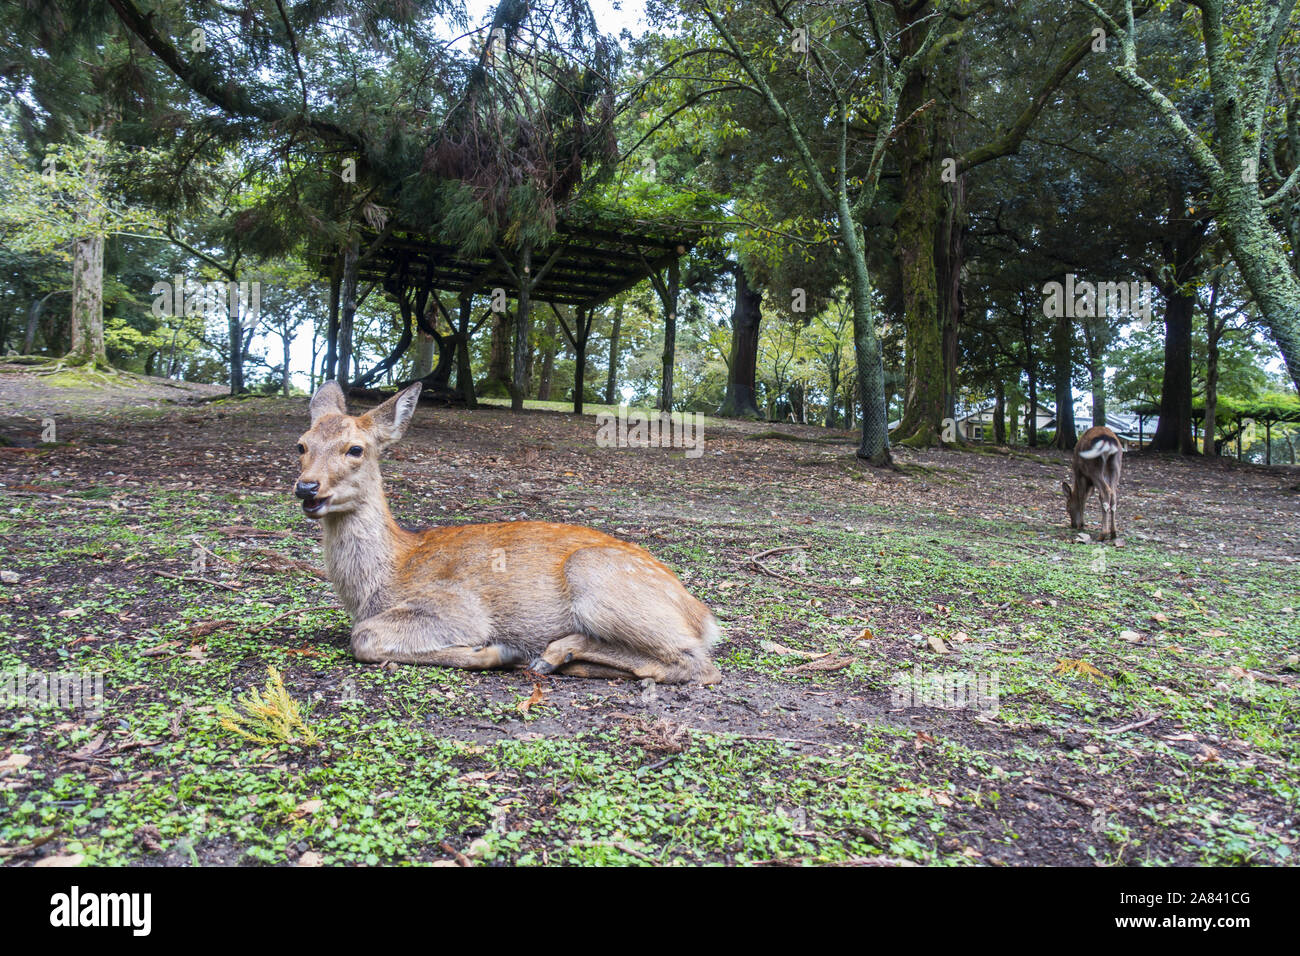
439	632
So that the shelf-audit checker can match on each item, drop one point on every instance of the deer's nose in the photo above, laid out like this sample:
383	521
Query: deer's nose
306	489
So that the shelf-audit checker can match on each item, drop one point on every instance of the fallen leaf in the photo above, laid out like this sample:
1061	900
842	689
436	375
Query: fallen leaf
204	628
73	859
936	644
310	858
158	650
524	706
306	808
91	748
1133	637
14	762
782	651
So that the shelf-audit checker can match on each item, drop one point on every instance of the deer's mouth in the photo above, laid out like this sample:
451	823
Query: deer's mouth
314	507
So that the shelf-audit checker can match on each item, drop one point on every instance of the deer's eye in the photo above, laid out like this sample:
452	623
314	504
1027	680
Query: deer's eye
302	449
356	451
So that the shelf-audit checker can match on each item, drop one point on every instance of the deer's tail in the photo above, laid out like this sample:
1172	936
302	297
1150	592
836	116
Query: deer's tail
1102	446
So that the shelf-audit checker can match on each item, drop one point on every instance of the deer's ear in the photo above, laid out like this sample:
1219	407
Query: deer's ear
390	419
328	400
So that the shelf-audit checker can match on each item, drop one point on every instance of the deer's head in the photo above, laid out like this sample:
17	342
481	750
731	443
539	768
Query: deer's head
339	454
1074	503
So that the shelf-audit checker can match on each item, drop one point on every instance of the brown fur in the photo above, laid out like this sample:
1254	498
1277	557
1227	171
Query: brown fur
554	597
1102	471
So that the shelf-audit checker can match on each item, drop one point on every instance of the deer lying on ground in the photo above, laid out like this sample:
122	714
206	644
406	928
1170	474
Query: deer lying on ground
552	597
1097	458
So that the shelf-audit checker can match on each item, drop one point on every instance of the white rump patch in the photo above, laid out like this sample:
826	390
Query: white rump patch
1103	447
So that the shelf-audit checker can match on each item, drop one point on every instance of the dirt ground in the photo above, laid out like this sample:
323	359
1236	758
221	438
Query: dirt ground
1136	702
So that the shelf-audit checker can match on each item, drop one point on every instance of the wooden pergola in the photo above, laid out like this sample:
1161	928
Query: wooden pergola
581	267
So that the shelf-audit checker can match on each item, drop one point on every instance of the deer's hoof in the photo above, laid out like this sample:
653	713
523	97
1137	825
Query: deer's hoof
541	665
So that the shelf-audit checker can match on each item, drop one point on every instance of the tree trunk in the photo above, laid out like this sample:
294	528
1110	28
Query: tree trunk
583	333
1066	436
833	394
284	381
917	229
236	337
347	314
1211	385
548	360
332	334
523	325
999	413
611	380
424	348
741	398
1031	414
874	446
1174	431
1094	336
464	373
670	336
498	376
88	303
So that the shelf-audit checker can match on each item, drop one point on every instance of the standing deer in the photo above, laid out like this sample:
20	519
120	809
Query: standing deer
1097	459
554	597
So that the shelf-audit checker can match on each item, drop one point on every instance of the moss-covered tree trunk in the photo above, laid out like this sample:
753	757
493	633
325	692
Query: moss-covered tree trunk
917	230
88	303
741	398
874	446
424	347
498	371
